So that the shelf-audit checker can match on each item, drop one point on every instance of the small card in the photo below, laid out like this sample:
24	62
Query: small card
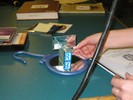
41	27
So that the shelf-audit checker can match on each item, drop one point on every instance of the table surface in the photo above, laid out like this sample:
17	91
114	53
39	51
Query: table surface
34	81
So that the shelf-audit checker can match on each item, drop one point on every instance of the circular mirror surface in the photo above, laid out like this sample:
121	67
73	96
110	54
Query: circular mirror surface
78	65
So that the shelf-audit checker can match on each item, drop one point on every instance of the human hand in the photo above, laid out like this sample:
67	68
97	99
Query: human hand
71	40
123	88
86	48
77	65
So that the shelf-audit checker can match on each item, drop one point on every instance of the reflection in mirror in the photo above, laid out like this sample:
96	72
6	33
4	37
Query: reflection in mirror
59	41
77	64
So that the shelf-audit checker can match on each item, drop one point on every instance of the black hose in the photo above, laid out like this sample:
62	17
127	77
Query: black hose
96	54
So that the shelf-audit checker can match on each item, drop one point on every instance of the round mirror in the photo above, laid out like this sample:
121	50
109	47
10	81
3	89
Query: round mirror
78	65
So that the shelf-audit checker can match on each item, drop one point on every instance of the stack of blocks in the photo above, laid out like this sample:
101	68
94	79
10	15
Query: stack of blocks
65	57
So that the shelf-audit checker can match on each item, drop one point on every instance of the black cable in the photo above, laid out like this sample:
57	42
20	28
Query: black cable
96	54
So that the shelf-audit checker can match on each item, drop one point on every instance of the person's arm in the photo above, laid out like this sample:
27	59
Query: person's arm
116	39
120	38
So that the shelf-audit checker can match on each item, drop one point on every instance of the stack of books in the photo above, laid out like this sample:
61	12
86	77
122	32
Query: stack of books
10	39
38	10
7	34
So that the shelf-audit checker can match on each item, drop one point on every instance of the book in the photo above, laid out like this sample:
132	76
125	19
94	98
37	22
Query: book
118	61
7	33
18	42
82	8
38	10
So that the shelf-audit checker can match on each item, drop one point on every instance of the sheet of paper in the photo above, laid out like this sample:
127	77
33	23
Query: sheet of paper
70	1
41	27
119	61
65	27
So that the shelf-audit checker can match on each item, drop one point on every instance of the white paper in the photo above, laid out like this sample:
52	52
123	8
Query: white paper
42	27
118	61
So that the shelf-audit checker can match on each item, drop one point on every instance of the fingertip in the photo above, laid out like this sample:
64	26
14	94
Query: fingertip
117	76
127	74
74	47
